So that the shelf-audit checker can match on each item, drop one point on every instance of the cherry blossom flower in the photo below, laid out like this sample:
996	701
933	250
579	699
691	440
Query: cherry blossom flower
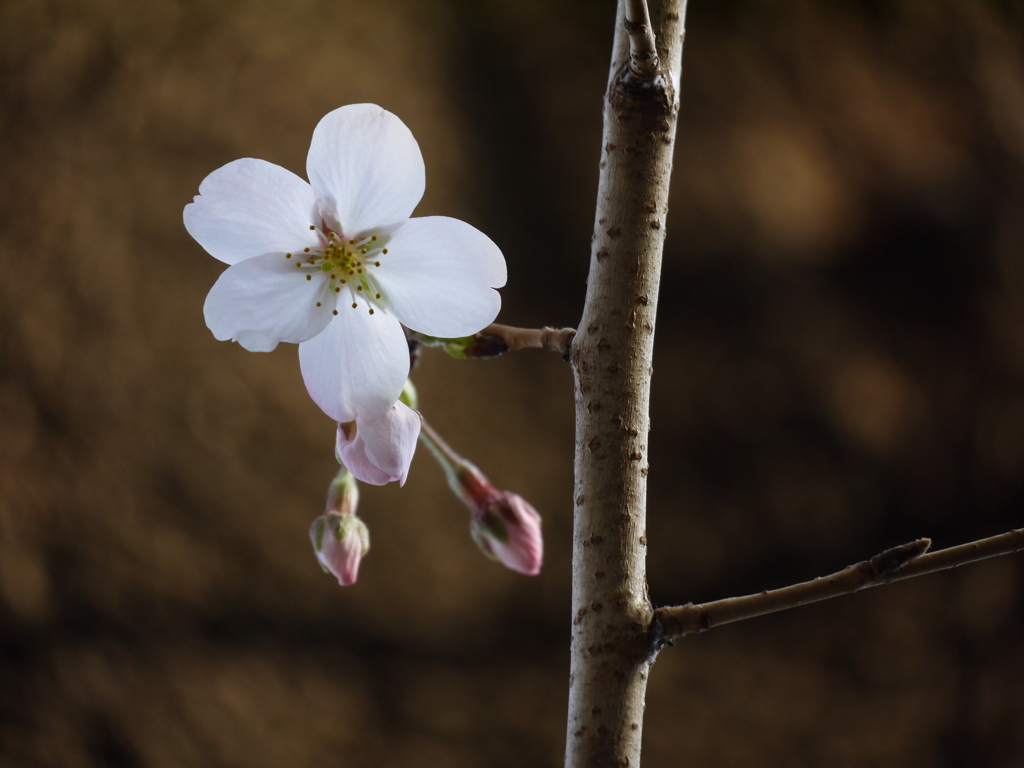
337	265
378	452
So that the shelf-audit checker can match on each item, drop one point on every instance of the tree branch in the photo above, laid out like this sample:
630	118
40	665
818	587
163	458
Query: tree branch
612	358
896	564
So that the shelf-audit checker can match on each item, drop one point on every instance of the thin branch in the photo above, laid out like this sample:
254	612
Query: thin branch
495	340
552	339
903	562
643	51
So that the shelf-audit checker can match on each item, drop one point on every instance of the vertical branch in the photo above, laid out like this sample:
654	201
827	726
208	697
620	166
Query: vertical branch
611	357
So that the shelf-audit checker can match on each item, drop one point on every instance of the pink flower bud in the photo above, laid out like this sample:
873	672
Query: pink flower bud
507	529
378	452
341	541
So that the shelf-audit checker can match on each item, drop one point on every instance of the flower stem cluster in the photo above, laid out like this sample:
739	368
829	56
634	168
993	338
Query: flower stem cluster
339	266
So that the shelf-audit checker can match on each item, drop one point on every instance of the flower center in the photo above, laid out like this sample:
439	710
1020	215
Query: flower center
346	265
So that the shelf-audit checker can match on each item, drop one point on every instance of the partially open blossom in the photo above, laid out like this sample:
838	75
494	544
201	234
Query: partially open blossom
340	539
380	451
503	524
337	265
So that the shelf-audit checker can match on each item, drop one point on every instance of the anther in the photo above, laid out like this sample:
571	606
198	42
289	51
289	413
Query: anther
318	303
371	310
334	311
337	290
384	251
359	287
312	227
287	255
376	263
309	277
377	296
373	238
305	250
354	305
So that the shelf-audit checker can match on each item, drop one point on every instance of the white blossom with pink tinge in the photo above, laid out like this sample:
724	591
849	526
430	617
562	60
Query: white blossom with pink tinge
337	265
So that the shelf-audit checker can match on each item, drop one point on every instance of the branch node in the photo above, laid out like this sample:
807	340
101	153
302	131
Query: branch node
895	558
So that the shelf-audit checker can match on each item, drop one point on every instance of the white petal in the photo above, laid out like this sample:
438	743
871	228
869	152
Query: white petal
366	169
353	455
263	300
358	365
391	440
250	207
439	276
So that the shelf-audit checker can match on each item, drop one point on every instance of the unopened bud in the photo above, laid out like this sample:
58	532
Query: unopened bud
507	529
341	541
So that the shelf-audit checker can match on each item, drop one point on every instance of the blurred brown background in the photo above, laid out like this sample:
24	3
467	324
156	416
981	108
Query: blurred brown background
839	369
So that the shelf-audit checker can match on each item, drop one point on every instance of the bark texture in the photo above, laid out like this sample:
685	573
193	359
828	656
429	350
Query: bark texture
612	359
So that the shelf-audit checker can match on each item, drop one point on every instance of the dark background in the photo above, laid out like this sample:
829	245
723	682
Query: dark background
839	369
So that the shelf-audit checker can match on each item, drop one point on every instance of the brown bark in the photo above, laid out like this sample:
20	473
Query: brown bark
612	357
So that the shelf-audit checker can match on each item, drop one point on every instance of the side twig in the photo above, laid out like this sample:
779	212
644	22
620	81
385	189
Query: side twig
643	51
511	339
495	340
896	564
